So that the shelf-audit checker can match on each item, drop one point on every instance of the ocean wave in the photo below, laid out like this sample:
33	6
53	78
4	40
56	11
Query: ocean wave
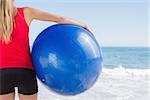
122	71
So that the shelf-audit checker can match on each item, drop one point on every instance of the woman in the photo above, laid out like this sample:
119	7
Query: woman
16	69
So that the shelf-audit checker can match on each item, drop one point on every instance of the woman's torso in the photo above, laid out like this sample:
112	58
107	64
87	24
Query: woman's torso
16	54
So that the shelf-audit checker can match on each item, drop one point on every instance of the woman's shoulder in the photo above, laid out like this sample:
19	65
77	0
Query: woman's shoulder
26	9
30	11
27	14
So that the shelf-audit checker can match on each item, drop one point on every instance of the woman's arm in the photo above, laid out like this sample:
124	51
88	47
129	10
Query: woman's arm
44	16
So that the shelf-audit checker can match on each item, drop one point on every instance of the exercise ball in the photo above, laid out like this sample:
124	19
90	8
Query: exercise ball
67	59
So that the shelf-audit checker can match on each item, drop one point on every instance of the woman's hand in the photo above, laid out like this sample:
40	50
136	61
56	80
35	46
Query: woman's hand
87	28
65	20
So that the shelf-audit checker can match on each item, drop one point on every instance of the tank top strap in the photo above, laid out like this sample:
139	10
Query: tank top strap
20	14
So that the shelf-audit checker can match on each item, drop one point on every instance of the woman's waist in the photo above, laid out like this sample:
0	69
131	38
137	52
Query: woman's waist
6	66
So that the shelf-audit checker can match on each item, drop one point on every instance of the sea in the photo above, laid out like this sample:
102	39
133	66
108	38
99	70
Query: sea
125	76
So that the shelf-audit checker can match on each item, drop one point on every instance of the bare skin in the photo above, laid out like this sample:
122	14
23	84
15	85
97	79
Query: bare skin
10	96
35	14
28	97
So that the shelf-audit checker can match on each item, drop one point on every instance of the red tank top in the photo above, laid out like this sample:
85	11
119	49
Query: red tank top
16	54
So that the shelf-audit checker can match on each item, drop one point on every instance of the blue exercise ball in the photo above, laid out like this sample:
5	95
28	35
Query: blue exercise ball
67	59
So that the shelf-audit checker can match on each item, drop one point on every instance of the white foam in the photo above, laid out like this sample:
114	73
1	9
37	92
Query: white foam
121	71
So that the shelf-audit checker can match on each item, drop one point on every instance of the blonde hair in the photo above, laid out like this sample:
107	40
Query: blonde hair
6	19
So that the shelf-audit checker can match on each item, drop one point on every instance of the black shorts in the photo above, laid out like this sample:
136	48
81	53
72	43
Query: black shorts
22	78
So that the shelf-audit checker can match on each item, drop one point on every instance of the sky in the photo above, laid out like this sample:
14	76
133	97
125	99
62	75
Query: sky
115	23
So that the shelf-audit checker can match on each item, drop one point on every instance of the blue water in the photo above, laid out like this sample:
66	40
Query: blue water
127	57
